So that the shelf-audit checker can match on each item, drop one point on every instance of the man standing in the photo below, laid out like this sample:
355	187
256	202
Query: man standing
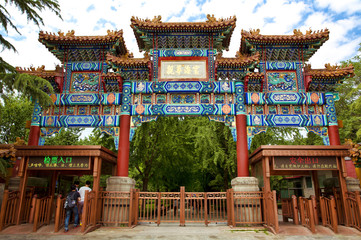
71	207
82	191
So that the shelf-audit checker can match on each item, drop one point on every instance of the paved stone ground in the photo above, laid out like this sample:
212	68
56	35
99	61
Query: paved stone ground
174	232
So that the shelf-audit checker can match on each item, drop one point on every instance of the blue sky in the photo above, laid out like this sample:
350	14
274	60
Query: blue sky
94	17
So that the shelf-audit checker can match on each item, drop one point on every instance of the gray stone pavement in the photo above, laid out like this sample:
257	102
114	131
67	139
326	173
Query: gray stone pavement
175	232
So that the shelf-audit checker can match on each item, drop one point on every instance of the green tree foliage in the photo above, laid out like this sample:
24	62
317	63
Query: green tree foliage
99	138
10	79
66	136
349	106
192	152
14	112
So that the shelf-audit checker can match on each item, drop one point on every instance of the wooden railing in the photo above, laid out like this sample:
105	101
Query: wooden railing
353	202
270	210
290	209
59	213
246	208
316	209
42	212
307	213
339	207
9	209
25	217
88	217
115	208
329	213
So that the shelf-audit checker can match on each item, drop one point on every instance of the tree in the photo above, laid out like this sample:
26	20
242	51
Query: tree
348	108
14	112
66	136
29	85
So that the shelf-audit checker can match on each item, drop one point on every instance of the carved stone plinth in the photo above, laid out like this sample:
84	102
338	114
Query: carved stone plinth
353	184
120	184
245	184
247	206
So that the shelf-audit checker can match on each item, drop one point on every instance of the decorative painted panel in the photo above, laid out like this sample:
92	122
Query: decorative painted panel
315	98
183	53
126	99
278	81
330	109
182	70
255	98
240	107
86	66
36	118
285	98
281	65
85	82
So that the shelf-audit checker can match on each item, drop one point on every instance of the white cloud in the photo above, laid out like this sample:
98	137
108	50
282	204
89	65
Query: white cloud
272	17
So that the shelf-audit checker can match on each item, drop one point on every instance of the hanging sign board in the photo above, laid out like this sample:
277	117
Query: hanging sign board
59	162
304	163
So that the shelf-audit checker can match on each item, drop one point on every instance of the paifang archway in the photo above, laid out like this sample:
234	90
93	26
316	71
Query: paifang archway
267	84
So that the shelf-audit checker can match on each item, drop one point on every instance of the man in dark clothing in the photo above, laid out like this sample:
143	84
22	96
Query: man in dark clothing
71	207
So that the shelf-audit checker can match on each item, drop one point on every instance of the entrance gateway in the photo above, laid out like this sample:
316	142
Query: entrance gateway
183	73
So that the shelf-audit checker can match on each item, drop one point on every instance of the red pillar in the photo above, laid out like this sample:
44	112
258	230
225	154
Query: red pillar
242	146
333	135
34	136
123	148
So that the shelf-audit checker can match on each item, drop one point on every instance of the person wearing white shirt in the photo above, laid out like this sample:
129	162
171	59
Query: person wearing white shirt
82	195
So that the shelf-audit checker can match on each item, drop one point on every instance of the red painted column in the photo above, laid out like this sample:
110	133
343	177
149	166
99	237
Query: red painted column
34	136
333	135
123	148
242	146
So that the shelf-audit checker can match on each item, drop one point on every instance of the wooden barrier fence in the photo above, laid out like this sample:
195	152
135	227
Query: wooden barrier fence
247	208
42	212
329	213
25	217
59	213
353	202
307	214
9	209
341	218
115	208
270	211
88	217
290	209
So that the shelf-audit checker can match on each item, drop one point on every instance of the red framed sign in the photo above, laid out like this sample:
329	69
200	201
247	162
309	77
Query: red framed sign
304	163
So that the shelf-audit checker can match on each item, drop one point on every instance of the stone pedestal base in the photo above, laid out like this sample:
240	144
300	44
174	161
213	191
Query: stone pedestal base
353	184
245	184
120	184
247	206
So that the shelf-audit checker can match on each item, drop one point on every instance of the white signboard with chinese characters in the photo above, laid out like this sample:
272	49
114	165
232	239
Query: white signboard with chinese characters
178	70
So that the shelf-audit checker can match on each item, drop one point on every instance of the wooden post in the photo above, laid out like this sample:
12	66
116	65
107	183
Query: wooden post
159	208
57	213
85	213
131	206
22	188
343	188
316	184
3	209
182	206
294	209
136	206
333	216
266	174
32	210
314	209
37	212
311	216
358	203
205	209
96	187
275	213
231	201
